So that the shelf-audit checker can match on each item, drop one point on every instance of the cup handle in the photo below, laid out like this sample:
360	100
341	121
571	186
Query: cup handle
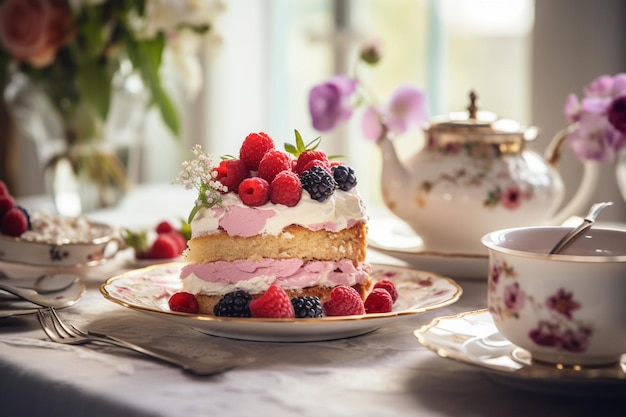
588	182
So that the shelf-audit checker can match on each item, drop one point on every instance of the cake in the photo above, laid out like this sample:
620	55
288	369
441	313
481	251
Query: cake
270	218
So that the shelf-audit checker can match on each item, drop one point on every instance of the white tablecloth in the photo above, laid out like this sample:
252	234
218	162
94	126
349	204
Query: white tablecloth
386	372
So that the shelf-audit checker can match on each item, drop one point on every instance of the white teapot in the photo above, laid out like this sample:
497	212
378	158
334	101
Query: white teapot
475	175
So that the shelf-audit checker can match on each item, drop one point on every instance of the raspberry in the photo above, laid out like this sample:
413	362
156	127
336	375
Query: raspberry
378	301
308	156
286	189
274	303
234	304
254	191
231	172
317	163
272	163
307	307
184	302
4	190
254	146
164	247
164	227
344	176
14	222
319	183
6	203
389	286
344	301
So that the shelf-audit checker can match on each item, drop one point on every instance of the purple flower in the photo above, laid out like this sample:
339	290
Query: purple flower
407	107
617	114
601	118
563	303
329	103
514	298
575	341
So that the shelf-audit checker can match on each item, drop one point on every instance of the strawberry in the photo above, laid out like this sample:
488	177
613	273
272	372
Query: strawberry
254	146
6	203
164	247
378	301
389	286
254	191
179	239
274	303
230	172
286	189
344	301
164	227
308	156
14	222
272	163
184	302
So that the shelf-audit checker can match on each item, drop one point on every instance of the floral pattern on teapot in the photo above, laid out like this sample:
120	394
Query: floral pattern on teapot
557	328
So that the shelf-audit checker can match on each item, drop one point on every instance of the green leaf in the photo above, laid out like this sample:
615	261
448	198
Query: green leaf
94	85
299	142
314	143
291	149
193	213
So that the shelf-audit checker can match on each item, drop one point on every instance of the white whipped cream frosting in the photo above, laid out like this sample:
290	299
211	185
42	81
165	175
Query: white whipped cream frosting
343	209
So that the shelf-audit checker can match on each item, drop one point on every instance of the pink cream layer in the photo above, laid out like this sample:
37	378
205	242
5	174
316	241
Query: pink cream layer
288	273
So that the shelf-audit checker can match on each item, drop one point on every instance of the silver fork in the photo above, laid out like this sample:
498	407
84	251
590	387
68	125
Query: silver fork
61	332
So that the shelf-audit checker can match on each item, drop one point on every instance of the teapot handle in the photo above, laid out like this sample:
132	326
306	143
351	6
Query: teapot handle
588	182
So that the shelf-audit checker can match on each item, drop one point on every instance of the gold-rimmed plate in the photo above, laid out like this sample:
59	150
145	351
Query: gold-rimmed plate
149	289
472	338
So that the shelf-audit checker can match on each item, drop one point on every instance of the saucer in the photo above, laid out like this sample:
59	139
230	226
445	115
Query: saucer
395	238
473	338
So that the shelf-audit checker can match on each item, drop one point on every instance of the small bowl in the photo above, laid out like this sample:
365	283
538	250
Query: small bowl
568	308
62	252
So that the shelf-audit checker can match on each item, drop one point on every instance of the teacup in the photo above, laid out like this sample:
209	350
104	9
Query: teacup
568	308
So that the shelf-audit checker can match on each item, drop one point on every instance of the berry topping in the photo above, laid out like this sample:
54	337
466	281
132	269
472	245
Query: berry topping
164	227
378	301
164	247
230	172
286	189
307	307
318	183
184	302
344	176
272	163
274	303
344	301
254	191
389	286
234	304
254	146
317	163
14	222
6	203
310	155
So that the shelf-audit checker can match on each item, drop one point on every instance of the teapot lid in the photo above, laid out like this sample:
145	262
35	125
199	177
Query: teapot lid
476	125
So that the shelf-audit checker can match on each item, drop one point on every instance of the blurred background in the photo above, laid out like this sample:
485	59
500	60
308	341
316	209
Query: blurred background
522	57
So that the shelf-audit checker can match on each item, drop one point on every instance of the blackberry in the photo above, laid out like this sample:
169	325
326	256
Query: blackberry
233	304
307	307
318	183
344	176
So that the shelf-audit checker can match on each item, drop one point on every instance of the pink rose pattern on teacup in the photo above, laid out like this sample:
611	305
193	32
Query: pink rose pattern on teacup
558	327
33	30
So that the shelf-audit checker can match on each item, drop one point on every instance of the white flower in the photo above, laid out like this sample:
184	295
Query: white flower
168	15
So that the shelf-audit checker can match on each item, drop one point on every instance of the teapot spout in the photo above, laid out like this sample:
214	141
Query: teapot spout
394	177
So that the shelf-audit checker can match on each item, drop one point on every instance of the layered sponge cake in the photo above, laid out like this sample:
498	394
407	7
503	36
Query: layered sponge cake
270	218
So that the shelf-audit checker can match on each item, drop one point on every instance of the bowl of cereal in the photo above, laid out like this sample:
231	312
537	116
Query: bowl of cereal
61	241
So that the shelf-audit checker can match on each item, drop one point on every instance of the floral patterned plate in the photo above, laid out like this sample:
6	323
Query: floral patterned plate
473	338
148	290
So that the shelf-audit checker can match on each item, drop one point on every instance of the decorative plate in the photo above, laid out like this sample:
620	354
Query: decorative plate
148	290
473	338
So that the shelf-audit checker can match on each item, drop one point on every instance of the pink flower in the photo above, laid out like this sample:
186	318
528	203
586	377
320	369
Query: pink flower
514	298
406	108
33	30
329	103
512	198
563	303
601	115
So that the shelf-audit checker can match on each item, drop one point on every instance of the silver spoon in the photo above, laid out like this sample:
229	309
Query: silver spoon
44	284
36	298
581	228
